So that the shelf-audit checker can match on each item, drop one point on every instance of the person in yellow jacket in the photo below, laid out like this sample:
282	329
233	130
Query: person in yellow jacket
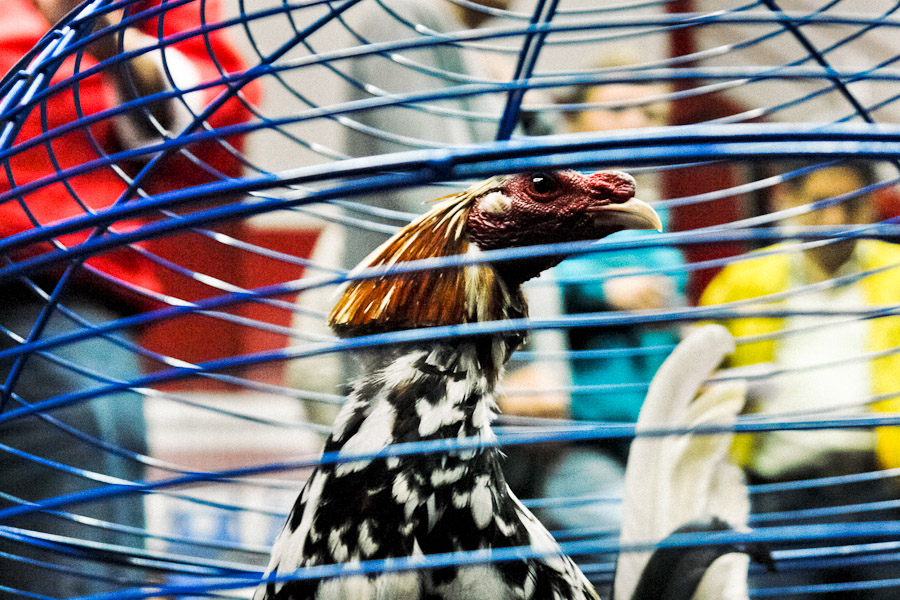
821	365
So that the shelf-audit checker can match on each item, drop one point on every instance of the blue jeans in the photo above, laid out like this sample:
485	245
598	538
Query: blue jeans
586	471
116	419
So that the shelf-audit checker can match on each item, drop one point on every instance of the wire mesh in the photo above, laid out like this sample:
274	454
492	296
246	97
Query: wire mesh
169	257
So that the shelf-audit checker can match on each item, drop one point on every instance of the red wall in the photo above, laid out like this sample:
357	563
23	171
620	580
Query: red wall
698	180
199	338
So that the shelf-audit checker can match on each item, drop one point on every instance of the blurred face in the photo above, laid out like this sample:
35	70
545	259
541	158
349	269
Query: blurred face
48	9
828	183
823	184
475	18
54	10
631	108
501	4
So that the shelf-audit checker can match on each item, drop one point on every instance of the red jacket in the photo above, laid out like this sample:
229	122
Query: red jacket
21	26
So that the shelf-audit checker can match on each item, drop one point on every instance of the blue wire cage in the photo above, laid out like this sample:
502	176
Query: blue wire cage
169	256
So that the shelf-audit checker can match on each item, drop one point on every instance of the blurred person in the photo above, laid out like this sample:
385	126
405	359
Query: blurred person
632	280
616	280
453	121
816	365
80	463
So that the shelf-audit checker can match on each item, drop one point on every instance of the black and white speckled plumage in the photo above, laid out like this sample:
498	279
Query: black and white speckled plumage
413	505
406	506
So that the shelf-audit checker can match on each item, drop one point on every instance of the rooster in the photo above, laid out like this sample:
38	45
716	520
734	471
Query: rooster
416	505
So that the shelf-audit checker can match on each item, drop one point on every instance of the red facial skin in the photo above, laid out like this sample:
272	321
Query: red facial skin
552	207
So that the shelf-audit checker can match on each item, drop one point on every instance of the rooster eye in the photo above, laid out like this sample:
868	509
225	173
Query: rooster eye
542	184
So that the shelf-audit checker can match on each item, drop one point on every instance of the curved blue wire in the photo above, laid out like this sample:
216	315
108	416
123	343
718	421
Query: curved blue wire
672	152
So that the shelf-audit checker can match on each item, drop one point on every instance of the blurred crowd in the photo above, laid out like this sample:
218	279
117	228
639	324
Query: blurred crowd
812	352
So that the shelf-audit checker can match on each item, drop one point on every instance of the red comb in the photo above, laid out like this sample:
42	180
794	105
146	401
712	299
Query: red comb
618	186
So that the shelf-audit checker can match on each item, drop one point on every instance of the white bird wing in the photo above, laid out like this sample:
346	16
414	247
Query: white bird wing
674	479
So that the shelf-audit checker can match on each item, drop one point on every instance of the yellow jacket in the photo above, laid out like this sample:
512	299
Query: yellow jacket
769	274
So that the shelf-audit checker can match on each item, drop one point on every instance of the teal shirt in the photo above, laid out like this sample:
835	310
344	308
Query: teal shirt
627	373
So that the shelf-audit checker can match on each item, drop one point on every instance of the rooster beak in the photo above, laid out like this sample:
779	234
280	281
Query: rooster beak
631	214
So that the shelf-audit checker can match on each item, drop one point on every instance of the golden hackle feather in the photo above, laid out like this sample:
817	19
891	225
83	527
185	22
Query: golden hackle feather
432	297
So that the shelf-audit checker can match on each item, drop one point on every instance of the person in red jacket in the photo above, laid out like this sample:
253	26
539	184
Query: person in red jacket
99	441
189	63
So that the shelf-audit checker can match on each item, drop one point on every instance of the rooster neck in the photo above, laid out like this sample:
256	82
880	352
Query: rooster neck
415	392
515	273
442	297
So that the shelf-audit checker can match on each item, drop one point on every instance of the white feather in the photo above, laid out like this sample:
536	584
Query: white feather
725	579
482	502
358	587
476	582
402	371
673	480
345	415
289	548
431	510
339	549
460	499
434	416
482	416
367	544
375	434
543	542
496	203
397	585
405	495
444	476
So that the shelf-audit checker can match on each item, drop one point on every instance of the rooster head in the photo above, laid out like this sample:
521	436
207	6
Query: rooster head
501	212
561	206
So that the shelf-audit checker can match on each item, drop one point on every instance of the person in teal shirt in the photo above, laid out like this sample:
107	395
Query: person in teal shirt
610	386
610	367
